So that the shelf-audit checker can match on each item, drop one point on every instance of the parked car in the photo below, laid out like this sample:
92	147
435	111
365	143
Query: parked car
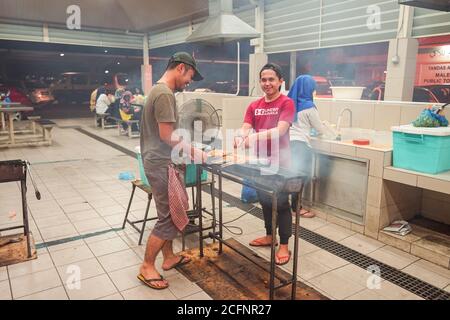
441	92
39	93
16	95
420	94
78	86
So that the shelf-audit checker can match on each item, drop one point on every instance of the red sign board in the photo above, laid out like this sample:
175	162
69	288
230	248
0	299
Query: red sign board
434	74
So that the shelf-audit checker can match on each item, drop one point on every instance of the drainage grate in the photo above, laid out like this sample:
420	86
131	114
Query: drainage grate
401	279
397	277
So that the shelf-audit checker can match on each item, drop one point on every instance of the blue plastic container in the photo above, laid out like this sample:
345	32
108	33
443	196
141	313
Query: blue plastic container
190	177
141	170
422	149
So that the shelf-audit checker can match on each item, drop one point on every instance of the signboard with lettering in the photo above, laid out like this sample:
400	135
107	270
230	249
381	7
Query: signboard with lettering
434	74
433	66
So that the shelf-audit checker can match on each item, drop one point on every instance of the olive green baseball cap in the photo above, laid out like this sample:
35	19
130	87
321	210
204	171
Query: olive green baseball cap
186	58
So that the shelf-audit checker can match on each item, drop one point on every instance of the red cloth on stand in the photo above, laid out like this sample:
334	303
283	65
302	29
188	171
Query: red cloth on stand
178	199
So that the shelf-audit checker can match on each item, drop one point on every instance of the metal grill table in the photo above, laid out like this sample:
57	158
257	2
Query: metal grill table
263	180
16	170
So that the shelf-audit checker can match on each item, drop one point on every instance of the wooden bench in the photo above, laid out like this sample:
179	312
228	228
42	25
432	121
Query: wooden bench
102	117
47	126
33	120
129	132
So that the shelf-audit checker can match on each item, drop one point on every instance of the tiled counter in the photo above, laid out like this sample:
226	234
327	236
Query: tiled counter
377	158
434	205
436	182
396	194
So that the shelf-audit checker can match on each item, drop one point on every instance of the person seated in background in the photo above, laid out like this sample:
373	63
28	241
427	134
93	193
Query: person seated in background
106	105
103	102
129	111
138	97
94	97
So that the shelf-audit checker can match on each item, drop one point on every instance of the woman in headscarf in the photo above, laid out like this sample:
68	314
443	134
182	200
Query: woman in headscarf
306	118
128	111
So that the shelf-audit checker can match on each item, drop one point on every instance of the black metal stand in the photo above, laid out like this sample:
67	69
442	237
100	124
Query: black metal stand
16	170
292	187
148	190
192	214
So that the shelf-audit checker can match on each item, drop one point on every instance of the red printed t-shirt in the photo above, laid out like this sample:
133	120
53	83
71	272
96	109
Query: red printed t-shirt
262	116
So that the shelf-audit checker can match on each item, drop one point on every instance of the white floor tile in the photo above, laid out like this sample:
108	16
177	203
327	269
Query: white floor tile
111	210
367	294
393	257
430	273
52	294
61	231
126	278
92	288
3	274
35	282
80	270
71	255
90	224
119	260
41	263
334	232
336	286
362	244
66	245
143	292
5	291
116	296
104	247
393	292
327	259
101	237
70	208
82	215
198	296
181	287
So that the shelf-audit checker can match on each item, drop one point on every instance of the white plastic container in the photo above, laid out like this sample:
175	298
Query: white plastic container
354	93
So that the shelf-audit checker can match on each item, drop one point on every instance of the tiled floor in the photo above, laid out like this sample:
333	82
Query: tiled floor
81	194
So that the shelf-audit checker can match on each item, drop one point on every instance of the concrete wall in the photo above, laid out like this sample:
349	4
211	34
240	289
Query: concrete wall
214	98
367	114
233	112
436	206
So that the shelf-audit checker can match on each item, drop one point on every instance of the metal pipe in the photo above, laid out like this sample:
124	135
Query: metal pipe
238	68
213	204
294	266
220	212
36	190
26	228
199	209
272	249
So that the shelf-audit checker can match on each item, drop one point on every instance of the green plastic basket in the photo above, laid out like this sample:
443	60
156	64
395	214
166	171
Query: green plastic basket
190	177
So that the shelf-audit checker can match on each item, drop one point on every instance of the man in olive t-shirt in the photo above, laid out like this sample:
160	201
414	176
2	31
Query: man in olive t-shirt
158	123
160	106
